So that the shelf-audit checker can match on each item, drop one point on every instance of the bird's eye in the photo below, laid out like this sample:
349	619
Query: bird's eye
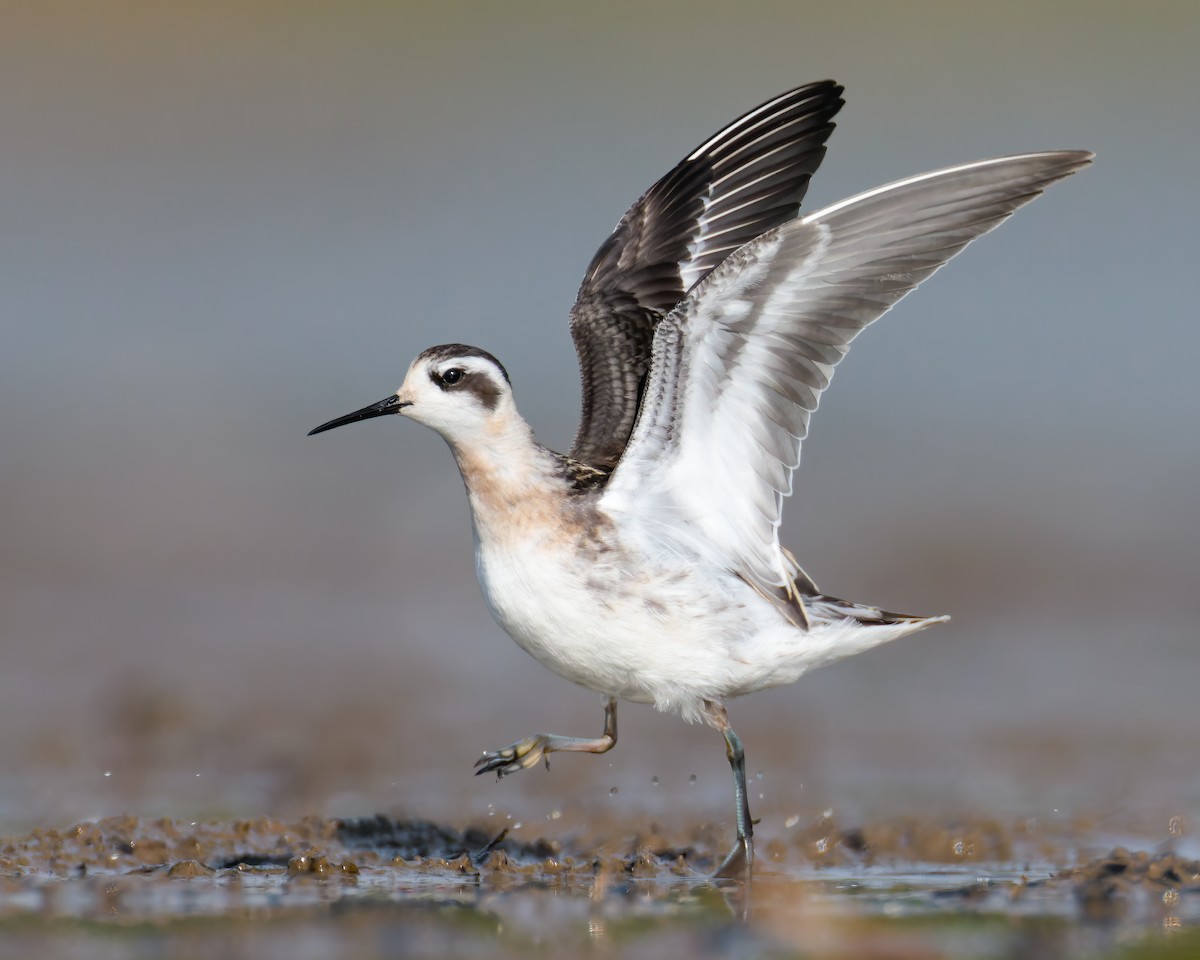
452	376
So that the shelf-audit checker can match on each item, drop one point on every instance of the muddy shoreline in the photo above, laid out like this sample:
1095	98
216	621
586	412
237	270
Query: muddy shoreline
907	884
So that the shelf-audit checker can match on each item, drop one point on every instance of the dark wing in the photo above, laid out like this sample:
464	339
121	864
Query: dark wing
745	180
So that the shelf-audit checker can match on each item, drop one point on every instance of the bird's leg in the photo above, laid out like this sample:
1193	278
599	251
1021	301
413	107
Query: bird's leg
738	862
525	753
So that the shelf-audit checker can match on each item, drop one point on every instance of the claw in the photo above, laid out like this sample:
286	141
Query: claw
518	756
525	753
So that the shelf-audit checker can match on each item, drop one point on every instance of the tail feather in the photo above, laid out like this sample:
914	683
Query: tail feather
832	609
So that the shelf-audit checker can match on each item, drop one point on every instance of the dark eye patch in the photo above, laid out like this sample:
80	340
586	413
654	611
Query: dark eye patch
479	385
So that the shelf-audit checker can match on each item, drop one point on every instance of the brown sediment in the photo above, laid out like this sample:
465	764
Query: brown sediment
325	845
126	867
321	868
1107	887
822	887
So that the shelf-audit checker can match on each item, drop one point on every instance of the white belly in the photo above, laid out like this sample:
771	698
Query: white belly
661	636
655	629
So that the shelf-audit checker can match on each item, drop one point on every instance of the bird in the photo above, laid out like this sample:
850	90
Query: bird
645	564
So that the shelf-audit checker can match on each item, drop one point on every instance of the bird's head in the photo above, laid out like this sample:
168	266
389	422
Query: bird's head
459	391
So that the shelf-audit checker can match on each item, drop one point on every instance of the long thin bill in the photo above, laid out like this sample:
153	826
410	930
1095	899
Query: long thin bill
388	405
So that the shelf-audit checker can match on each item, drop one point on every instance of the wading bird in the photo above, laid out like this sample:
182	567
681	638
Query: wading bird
646	564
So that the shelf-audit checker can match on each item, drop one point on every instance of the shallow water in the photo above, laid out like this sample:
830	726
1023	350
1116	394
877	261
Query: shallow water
125	886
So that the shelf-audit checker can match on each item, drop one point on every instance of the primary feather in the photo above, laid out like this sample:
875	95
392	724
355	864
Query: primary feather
741	182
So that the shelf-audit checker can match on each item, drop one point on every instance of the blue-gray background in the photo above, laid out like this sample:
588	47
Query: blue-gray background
226	223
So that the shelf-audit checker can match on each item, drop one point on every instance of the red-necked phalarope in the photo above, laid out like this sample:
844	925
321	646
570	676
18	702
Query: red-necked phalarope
646	565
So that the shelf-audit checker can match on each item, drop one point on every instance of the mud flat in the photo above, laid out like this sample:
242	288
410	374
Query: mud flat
967	887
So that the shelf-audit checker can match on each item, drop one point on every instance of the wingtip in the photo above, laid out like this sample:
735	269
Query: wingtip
1075	158
1060	164
1084	158
1068	160
829	85
828	90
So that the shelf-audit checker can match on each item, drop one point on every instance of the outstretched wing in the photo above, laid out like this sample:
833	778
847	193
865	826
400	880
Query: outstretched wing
739	367
748	178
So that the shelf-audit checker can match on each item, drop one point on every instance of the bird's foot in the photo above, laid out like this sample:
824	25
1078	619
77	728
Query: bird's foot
738	862
519	756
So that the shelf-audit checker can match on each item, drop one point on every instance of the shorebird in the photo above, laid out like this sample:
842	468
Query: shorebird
646	563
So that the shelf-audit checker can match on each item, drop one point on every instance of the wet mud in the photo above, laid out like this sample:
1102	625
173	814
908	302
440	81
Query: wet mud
125	886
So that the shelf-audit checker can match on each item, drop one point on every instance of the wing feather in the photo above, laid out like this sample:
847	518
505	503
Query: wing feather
741	182
739	367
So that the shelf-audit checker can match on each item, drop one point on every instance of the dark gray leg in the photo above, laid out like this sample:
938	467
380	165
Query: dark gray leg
739	861
525	753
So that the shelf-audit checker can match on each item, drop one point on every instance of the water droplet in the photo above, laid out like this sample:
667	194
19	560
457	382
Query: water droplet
612	791
555	814
791	821
759	775
654	781
959	848
692	779
491	809
508	816
108	773
517	825
760	796
822	844
1175	826
827	813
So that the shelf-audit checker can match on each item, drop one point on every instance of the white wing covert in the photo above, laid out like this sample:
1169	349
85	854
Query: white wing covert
738	368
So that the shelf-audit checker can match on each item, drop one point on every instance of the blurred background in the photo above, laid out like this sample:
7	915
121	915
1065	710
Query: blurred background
225	223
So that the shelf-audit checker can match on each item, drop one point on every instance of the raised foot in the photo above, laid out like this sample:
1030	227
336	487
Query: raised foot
519	756
738	862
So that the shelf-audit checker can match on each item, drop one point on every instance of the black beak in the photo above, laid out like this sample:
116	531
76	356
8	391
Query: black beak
392	404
